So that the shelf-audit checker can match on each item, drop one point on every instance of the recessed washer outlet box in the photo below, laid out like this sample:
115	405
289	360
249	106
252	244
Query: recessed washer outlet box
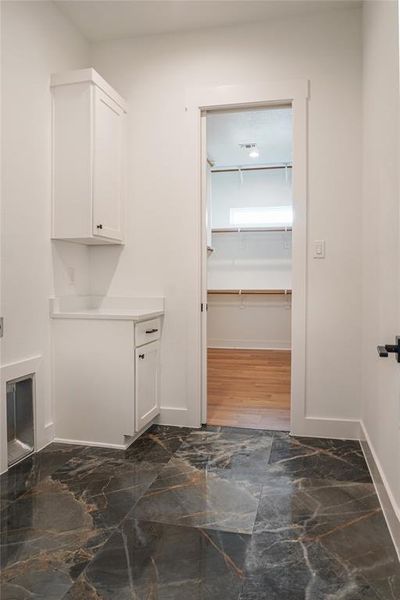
20	418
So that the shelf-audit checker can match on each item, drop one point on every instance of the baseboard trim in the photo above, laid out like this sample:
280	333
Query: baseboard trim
178	417
341	429
389	505
129	439
46	438
49	430
249	345
58	440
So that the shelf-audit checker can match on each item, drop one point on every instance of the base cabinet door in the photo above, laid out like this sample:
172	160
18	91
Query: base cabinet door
147	383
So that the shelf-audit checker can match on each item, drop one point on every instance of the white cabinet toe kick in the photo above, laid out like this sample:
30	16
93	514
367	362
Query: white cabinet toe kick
106	379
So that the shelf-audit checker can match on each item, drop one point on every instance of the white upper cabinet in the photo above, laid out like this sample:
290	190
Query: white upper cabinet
88	157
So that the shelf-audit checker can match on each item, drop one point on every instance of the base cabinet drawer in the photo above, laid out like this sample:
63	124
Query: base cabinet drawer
147	331
147	384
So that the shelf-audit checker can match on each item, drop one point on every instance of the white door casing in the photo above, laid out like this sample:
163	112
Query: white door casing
205	241
296	93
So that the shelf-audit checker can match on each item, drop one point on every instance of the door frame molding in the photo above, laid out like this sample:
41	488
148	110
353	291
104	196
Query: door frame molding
296	93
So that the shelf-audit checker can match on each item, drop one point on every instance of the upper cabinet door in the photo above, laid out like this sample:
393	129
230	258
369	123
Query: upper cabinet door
107	167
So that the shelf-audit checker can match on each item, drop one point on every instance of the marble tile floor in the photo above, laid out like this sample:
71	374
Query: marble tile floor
218	513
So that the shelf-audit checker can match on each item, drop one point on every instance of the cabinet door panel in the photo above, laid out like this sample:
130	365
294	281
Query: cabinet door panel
147	384
107	167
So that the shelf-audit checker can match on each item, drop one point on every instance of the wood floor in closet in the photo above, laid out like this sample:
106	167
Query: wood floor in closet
249	388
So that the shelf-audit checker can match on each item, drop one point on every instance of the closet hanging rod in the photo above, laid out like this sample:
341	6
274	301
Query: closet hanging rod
248	229
252	292
248	168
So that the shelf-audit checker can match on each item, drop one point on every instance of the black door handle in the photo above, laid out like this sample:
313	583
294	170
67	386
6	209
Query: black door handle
141	356
384	351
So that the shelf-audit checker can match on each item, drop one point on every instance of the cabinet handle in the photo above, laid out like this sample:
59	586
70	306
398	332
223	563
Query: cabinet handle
151	330
99	226
383	351
141	356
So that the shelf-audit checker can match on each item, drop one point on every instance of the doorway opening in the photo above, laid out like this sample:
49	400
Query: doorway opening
249	219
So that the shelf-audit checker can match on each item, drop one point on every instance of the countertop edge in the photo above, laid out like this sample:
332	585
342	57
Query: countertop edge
107	317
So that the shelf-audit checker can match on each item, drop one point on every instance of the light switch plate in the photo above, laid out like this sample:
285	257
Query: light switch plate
319	249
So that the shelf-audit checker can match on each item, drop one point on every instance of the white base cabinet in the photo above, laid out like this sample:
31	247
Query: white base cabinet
106	390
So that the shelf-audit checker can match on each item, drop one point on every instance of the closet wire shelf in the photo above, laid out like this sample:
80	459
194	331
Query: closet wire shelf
273	292
249	229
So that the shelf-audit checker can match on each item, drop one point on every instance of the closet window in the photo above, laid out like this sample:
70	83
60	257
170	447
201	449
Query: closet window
261	215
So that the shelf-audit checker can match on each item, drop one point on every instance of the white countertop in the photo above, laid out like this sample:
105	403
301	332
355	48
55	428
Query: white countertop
106	308
134	315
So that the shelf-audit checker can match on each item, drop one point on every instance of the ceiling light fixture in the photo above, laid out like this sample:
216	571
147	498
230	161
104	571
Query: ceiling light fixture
252	149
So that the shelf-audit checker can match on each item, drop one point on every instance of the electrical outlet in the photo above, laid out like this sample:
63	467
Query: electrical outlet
71	275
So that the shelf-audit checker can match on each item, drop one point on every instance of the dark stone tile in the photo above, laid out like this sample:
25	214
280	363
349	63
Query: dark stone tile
231	453
318	531
47	539
317	458
25	475
51	533
109	488
185	495
280	565
50	584
57	453
145	560
321	539
156	445
228	428
206	427
317	504
170	437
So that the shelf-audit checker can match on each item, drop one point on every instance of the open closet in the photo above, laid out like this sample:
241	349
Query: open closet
249	243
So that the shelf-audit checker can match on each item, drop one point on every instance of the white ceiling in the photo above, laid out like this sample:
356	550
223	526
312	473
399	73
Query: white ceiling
270	129
101	20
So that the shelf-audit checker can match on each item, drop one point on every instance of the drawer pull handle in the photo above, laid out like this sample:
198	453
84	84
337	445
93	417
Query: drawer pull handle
141	356
151	330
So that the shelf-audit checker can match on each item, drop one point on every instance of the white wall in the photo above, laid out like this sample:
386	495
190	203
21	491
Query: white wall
249	322
381	250
257	188
250	260
37	40
256	260
161	254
